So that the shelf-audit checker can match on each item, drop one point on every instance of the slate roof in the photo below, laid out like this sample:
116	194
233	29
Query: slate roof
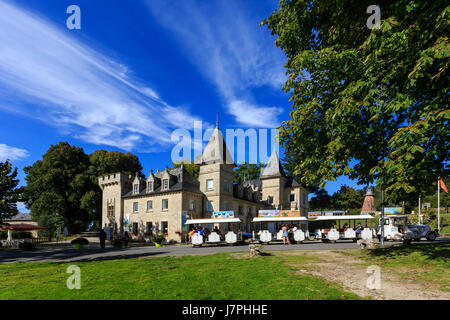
216	151
21	217
183	181
273	167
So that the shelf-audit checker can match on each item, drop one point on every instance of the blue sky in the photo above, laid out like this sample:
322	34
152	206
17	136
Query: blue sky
136	71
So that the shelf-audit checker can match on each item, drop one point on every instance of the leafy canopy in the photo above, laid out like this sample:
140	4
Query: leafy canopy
370	104
10	193
62	188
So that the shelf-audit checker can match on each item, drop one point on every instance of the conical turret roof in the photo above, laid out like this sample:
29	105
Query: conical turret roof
216	150
273	167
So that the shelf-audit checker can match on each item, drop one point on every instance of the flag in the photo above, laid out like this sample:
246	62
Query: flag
443	187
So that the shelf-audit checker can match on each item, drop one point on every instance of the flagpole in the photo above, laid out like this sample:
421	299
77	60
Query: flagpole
419	212
439	208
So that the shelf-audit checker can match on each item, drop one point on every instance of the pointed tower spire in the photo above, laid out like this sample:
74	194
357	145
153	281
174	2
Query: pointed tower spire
216	150
273	167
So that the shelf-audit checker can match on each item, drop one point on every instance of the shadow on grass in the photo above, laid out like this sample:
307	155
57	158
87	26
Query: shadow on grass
266	254
429	250
72	255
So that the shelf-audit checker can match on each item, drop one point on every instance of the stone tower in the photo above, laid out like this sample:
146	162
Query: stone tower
216	174
369	202
273	183
114	186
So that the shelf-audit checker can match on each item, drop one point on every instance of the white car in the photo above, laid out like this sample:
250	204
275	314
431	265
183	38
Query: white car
396	228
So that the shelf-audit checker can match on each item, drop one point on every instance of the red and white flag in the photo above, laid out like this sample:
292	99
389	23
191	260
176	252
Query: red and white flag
443	187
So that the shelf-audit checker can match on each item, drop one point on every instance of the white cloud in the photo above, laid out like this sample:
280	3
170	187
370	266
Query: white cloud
252	115
12	153
53	77
226	44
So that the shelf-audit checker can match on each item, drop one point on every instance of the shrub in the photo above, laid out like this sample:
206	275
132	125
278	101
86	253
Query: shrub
117	243
82	241
160	239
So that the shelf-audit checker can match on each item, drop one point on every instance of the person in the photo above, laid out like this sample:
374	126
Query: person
191	233
284	229
344	227
102	237
205	234
126	238
359	228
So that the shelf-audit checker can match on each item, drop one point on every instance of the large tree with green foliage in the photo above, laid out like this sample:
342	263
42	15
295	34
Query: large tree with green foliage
56	186
62	188
320	201
347	198
10	193
368	103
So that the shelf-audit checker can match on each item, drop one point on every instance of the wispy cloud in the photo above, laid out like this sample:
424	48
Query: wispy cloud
224	41
46	74
12	153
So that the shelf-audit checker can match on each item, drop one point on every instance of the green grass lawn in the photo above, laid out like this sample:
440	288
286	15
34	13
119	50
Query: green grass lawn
219	276
424	263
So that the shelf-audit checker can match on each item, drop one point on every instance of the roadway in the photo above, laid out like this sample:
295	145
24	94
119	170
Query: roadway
93	252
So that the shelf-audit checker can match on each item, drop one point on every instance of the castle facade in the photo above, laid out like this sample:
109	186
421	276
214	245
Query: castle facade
161	202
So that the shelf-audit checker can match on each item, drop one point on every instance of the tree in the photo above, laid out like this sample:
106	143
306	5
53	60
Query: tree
56	186
10	193
108	162
347	198
247	171
371	104
321	200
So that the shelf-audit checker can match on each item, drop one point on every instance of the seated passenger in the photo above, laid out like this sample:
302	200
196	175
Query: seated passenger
191	233
216	230
359	228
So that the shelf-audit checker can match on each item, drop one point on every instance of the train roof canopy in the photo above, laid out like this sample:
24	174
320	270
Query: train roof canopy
209	221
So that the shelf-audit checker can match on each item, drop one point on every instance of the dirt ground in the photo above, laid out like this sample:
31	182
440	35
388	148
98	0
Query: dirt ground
352	275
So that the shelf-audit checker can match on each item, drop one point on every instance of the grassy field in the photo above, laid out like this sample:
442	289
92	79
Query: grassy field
423	263
219	276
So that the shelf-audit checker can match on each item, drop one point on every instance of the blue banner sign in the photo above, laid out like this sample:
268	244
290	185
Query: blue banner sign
223	214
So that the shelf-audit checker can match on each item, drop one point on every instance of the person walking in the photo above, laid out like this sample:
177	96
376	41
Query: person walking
102	237
284	229
126	238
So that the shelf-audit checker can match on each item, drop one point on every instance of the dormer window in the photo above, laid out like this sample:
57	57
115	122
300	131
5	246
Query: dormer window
165	184
136	188
150	186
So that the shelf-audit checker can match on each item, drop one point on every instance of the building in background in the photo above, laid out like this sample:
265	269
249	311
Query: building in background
161	202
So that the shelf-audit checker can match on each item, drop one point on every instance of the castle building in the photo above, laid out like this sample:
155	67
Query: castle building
160	202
